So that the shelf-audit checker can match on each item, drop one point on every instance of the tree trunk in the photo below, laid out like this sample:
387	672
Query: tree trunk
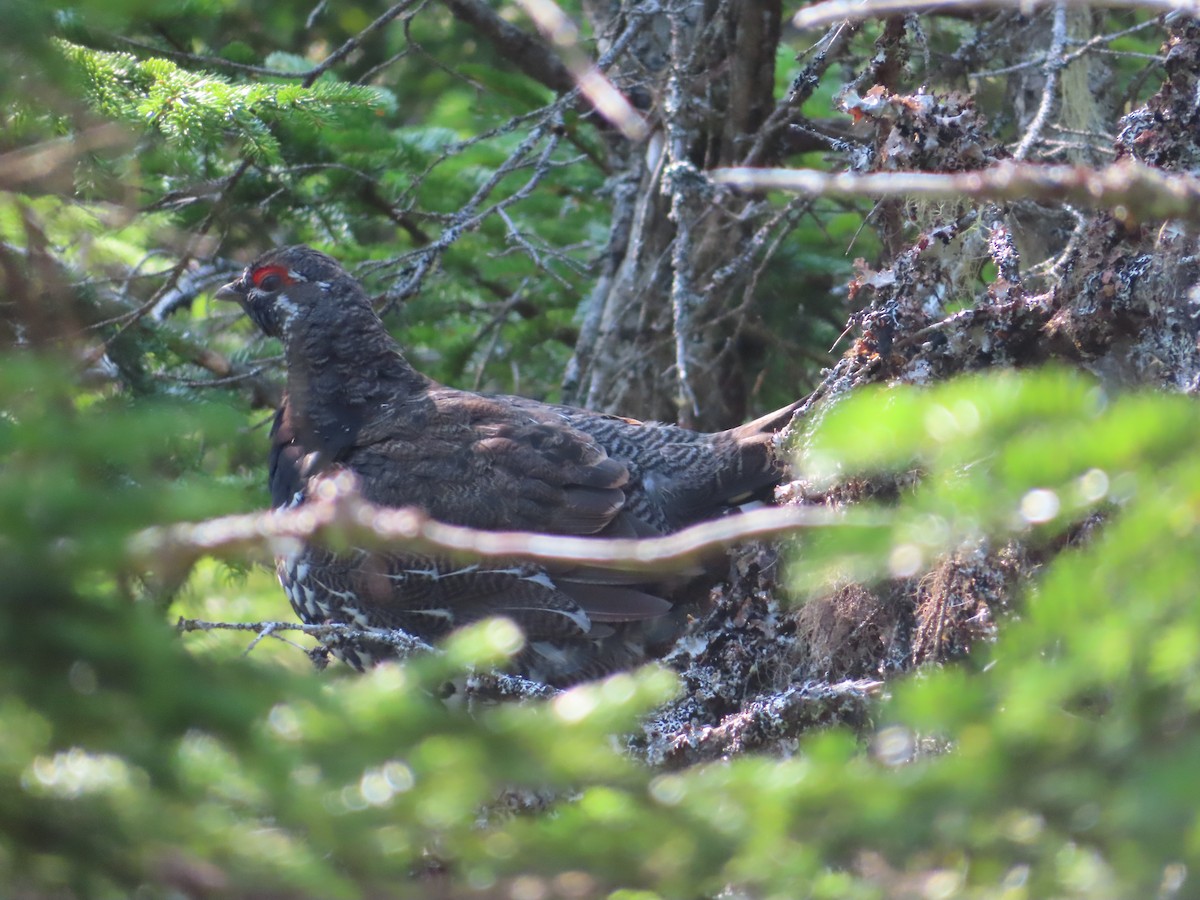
663	330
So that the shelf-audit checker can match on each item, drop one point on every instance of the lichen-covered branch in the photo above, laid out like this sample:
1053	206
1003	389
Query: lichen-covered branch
480	686
766	723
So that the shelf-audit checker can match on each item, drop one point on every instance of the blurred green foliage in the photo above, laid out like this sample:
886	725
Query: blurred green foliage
1057	762
134	761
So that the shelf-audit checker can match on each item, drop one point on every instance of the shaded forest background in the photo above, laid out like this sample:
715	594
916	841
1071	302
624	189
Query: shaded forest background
965	664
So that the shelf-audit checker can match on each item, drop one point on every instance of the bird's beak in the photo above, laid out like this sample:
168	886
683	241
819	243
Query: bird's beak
235	290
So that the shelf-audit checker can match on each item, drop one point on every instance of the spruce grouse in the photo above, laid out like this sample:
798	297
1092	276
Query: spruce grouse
490	462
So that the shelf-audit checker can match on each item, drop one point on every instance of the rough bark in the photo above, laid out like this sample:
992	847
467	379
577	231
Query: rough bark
665	323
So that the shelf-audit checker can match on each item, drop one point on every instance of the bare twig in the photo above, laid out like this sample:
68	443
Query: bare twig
307	77
417	264
1092	45
1133	190
468	215
593	84
785	217
172	280
829	49
353	43
821	15
517	237
1053	66
1053	266
486	686
403	642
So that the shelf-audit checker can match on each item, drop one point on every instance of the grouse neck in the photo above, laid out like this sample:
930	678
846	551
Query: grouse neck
345	374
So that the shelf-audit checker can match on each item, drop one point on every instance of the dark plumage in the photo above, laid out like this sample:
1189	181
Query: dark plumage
490	462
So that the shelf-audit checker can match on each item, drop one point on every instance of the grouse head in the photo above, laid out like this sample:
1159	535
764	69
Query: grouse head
287	289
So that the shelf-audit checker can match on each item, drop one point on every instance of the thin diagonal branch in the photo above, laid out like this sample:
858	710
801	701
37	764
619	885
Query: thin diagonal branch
592	83
194	243
307	77
528	53
353	43
1053	66
329	632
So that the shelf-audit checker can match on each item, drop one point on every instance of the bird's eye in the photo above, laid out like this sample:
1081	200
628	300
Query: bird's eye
271	278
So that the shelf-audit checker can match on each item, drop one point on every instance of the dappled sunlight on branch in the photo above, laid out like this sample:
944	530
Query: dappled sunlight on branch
342	516
592	82
820	15
1130	189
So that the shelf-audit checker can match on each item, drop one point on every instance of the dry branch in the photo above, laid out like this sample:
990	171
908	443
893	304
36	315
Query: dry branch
479	686
340	517
523	50
821	15
1130	189
329	632
1052	67
593	84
